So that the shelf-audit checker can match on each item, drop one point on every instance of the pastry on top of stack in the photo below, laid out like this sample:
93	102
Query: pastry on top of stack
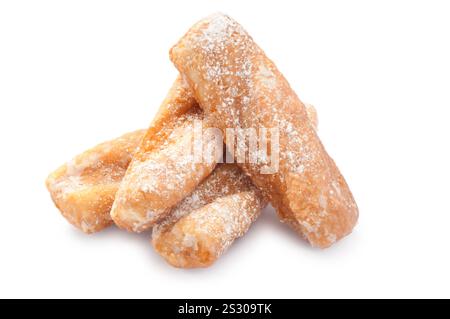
236	85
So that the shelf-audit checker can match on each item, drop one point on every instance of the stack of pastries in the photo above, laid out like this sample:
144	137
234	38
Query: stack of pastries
149	179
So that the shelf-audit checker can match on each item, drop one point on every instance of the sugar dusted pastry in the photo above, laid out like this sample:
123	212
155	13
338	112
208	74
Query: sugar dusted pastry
200	228
236	85
205	224
84	188
163	170
311	113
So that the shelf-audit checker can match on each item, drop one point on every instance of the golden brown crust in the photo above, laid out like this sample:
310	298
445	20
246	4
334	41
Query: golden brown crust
84	188
162	171
220	209
238	86
202	226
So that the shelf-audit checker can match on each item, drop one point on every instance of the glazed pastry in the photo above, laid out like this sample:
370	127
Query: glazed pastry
237	86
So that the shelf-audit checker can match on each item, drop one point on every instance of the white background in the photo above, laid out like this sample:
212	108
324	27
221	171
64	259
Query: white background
75	73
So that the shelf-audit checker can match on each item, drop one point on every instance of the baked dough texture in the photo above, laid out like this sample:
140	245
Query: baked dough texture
84	188
199	207
162	171
199	229
237	86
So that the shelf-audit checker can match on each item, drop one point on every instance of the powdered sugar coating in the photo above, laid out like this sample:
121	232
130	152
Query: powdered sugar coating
84	188
238	86
162	171
202	226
